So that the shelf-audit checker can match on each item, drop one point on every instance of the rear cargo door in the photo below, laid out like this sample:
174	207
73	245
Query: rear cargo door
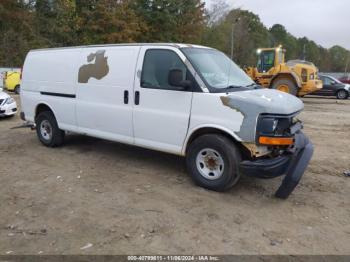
105	84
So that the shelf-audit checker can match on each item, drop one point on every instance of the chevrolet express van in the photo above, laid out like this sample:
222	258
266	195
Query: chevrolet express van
181	99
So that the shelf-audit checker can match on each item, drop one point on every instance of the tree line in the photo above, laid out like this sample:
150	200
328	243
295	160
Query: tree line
31	24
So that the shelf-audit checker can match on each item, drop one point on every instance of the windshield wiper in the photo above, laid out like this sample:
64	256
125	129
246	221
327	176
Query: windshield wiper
256	86
233	86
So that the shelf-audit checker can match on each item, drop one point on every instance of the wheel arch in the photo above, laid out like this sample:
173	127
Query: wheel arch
203	130
42	107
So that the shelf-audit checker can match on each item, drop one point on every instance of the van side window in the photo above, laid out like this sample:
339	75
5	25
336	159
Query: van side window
156	67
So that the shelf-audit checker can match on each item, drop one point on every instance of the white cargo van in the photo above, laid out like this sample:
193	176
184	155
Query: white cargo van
177	98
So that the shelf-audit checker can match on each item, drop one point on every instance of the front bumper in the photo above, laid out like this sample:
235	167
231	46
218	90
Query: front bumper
8	109
292	164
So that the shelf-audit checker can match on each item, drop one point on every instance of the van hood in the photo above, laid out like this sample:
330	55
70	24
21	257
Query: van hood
262	101
267	100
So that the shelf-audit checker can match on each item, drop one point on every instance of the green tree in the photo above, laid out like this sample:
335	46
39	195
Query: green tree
339	58
107	21
280	36
16	30
55	22
248	35
171	20
30	24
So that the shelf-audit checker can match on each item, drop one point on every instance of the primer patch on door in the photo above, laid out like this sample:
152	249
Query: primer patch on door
98	70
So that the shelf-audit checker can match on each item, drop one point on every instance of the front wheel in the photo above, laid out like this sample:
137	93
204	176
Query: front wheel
342	94
213	162
47	130
285	85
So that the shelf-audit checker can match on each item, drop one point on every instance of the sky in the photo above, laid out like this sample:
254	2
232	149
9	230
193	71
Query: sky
327	22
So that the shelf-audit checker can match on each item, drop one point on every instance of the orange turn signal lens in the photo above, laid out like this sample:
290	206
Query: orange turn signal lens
276	141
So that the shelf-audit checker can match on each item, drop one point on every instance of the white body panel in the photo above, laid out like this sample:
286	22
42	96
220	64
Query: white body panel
161	119
208	111
100	104
51	71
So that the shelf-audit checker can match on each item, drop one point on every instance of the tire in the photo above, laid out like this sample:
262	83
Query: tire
285	83
226	175
342	94
47	130
17	89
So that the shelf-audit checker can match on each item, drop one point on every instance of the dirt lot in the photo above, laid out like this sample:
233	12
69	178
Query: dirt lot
98	197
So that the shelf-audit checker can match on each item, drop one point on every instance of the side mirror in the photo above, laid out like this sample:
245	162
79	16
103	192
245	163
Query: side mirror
333	83
175	78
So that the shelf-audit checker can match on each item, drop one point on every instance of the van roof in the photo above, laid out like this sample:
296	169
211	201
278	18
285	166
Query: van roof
177	45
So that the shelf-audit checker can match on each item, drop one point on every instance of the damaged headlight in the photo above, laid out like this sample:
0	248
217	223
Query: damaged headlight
276	129
268	125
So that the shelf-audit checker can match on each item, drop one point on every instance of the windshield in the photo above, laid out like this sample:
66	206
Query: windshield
335	80
216	69
328	79
266	61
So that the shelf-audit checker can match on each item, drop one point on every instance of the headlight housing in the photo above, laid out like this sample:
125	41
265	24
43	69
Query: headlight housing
268	125
277	130
9	100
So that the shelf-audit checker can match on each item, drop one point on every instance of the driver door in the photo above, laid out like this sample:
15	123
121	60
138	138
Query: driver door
161	112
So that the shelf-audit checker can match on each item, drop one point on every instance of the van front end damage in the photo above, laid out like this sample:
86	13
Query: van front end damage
292	163
272	135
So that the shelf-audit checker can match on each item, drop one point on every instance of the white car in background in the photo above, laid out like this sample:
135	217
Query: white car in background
8	106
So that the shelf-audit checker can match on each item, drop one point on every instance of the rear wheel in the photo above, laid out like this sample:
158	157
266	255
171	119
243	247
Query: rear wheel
47	129
342	94
17	89
213	162
285	85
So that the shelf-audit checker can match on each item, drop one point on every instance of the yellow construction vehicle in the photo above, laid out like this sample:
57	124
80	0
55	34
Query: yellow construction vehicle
296	77
12	81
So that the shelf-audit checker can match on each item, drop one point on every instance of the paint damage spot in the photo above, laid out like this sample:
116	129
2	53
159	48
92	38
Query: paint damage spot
226	102
96	70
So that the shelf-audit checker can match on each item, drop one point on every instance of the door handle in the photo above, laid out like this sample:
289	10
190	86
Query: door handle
137	98
126	97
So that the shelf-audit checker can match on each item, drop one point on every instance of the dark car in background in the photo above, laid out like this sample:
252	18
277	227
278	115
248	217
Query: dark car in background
333	87
345	79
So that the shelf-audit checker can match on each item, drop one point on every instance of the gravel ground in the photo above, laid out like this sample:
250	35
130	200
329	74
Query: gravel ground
97	197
